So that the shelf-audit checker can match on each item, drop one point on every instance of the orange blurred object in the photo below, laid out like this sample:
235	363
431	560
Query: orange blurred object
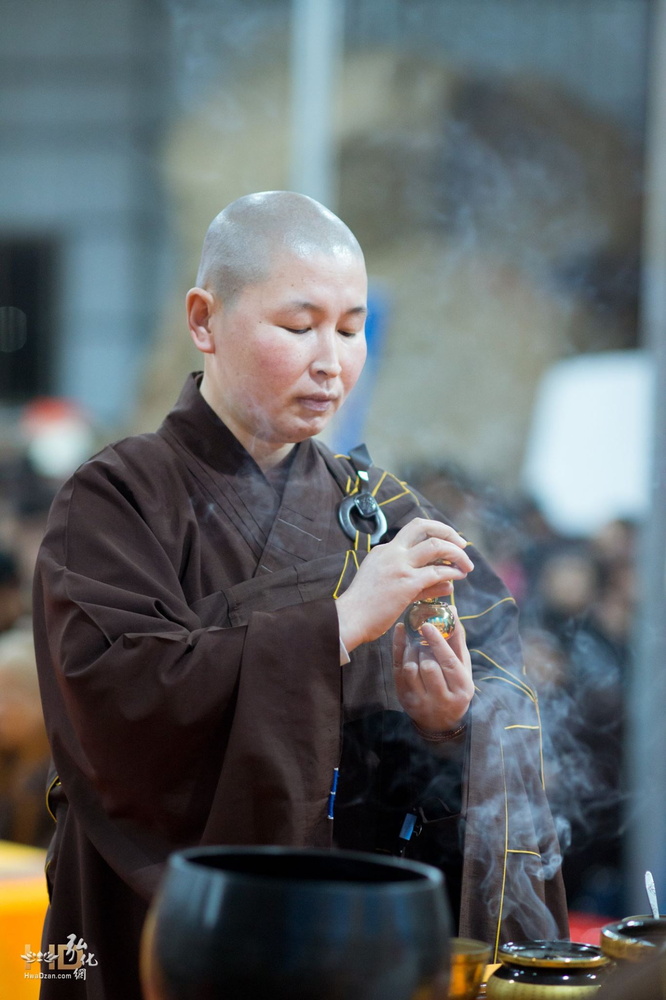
23	903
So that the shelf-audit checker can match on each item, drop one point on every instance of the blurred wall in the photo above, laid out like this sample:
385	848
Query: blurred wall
489	156
83	101
499	206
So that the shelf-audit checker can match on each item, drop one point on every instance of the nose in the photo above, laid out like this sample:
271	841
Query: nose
327	357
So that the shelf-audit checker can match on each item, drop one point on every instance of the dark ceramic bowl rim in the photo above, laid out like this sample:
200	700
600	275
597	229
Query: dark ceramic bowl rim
426	877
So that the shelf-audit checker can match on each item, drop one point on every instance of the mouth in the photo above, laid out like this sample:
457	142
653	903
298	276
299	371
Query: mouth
318	402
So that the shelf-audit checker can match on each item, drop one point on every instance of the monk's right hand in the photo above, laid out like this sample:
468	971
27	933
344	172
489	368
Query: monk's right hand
420	562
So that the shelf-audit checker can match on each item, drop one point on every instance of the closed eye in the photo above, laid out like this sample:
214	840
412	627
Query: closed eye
291	329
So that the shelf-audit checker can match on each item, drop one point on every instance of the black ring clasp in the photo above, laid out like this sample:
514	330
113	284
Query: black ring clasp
367	508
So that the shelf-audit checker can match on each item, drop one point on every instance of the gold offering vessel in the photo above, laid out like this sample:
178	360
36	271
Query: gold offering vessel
558	970
435	611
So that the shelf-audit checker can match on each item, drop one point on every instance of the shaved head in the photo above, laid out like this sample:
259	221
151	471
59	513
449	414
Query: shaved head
249	234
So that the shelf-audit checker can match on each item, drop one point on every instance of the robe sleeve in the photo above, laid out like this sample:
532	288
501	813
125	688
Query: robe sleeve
166	723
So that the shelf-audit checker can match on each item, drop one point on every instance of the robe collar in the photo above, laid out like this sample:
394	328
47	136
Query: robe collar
200	429
290	526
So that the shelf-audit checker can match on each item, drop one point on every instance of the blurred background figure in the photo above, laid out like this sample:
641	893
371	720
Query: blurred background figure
24	751
42	443
11	593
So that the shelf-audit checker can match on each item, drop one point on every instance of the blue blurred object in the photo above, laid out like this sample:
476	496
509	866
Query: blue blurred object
349	427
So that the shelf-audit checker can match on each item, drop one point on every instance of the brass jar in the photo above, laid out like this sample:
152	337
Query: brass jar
547	970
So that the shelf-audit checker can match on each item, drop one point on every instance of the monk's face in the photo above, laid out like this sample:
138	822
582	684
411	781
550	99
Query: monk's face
288	350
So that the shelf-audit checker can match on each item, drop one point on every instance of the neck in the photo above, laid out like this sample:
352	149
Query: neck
266	454
265	459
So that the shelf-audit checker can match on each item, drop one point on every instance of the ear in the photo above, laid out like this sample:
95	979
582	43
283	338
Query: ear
200	306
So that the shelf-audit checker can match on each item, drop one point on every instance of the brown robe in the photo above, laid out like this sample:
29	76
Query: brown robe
188	649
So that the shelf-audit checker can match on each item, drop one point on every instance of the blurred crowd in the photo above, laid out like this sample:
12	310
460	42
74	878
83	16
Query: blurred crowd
577	600
38	449
23	747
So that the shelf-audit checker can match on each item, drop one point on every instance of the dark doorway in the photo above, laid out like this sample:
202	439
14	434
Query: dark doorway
27	318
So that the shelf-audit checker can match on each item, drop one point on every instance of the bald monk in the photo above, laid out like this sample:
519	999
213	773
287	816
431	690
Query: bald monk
215	620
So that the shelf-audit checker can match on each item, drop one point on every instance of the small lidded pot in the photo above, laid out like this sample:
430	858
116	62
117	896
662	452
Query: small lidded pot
547	970
433	610
634	939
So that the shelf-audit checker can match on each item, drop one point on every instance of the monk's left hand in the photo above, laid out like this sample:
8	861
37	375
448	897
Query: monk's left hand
434	682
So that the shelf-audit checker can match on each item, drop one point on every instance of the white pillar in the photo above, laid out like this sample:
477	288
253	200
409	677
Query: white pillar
646	737
317	28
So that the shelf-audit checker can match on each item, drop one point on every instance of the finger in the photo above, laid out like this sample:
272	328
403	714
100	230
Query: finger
408	680
438	648
435	581
434	550
457	642
435	678
440	589
443	687
420	528
455	670
399	644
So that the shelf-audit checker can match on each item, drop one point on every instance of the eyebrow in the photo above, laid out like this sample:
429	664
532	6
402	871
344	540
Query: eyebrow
313	307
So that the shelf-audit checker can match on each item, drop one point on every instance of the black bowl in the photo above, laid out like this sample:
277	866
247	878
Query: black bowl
255	922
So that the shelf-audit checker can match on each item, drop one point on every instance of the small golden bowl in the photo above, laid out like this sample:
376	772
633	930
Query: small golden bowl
468	964
634	939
